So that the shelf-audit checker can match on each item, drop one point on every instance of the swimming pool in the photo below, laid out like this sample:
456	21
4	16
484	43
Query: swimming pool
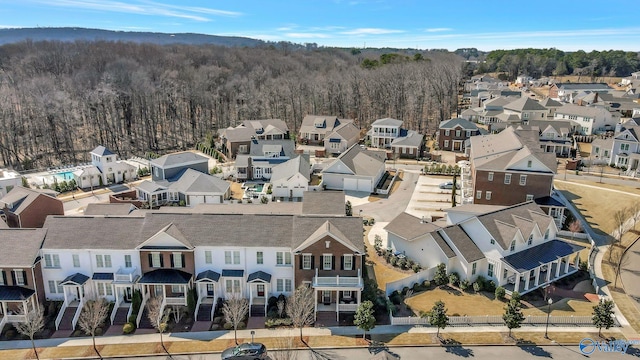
64	176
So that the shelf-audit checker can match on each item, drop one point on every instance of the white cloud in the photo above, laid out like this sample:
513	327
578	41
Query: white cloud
438	29
371	31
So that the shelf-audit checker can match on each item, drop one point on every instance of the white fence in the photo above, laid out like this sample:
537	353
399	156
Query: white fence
497	320
577	235
409	281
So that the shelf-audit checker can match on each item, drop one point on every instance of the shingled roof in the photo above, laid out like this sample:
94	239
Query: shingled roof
409	227
20	247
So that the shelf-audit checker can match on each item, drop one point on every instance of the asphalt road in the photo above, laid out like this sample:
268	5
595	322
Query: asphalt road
440	353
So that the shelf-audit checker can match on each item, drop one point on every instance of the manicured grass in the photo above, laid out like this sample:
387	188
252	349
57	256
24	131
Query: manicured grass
472	304
384	272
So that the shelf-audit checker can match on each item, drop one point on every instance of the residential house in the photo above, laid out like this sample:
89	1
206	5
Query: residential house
453	133
21	286
341	138
526	109
290	180
8	180
384	131
237	140
169	166
105	169
315	128
409	144
264	155
189	187
355	169
555	135
591	120
515	246
631	80
121	209
551	106
508	168
564	91
28	208
623	149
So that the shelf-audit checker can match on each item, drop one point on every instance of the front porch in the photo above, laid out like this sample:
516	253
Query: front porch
74	291
171	284
15	301
540	265
207	288
259	283
336	293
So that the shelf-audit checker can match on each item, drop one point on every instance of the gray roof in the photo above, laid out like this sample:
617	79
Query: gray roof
237	134
178	159
463	123
443	245
347	131
75	279
150	186
86	232
321	124
503	224
19	198
350	227
499	101
586	111
165	276
524	103
259	276
109	209
409	227
274	208
101	151
606	144
550	103
362	162
265	124
387	122
461	241
299	164
286	147
193	181
584	86
15	293
20	247
413	139
323	203
208	275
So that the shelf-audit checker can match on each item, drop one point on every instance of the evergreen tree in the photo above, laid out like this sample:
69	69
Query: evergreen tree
603	315
513	316
364	318
438	316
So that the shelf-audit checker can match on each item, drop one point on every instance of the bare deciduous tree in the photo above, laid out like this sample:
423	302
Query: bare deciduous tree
93	315
285	349
575	227
619	219
235	310
158	317
33	323
301	307
634	208
177	312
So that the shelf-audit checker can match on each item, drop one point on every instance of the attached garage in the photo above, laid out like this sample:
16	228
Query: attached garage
358	184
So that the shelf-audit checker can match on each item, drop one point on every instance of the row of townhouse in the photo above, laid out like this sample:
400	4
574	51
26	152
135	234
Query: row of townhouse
164	254
622	150
514	246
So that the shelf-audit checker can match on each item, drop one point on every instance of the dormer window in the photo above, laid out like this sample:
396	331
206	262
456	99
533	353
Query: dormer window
530	240
513	246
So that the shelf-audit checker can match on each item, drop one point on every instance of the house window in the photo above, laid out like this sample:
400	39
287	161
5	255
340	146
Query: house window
529	163
242	149
490	270
103	261
232	286
474	268
59	287
327	262
546	235
490	176
306	261
156	260
20	277
624	147
177	260
346	294
76	260
507	179
468	133
283	258
488	195
108	289
606	153
446	144
530	241
505	273
529	197
99	261
51	260
479	194
52	286
447	132
100	289
523	180
260	258
107	261
208	259
458	133
284	285
513	246
232	257
348	262
127	261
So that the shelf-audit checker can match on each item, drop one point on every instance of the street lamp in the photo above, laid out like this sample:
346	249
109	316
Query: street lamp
252	333
546	329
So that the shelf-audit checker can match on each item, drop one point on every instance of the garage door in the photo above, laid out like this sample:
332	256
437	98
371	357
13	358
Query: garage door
357	184
351	184
194	200
364	185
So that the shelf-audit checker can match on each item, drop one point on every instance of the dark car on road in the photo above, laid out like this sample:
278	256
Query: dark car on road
247	351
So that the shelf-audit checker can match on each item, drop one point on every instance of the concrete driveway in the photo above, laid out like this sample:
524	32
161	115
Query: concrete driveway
387	209
428	199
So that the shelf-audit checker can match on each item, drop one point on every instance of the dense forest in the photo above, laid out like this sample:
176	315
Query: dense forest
548	62
60	99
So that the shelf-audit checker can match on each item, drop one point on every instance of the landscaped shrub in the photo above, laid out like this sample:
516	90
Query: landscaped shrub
500	293
393	260
136	300
416	287
464	285
454	278
192	298
404	290
490	286
242	325
583	265
416	267
10	334
132	318
372	221
269	323
477	287
99	331
440	277
272	302
482	281
396	299
128	328
227	326
217	319
426	284
402	263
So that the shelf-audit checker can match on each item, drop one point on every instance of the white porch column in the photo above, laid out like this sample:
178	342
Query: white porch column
266	296
315	304
164	291
359	295
537	272
338	305
566	265
526	280
558	268
64	292
4	308
250	294
549	271
185	289
516	287
577	261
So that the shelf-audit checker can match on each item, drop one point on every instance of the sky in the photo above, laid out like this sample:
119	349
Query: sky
422	24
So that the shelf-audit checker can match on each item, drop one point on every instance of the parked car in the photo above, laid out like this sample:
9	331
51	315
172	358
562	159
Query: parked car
246	351
448	185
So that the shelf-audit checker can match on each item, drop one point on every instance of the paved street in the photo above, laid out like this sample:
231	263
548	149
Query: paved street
386	209
440	353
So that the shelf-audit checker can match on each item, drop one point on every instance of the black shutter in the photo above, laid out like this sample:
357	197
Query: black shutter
161	260
150	260
171	258
24	276
342	262
301	261
13	278
183	259
4	277
313	258
333	262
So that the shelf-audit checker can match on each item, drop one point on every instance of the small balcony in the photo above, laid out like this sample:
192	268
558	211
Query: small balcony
337	281
126	275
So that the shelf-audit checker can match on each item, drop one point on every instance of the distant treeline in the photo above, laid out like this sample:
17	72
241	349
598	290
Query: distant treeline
547	62
60	99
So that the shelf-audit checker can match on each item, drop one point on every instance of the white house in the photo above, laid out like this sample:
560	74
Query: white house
191	188
105	169
515	246
341	138
8	180
623	150
591	120
355	169
290	180
384	131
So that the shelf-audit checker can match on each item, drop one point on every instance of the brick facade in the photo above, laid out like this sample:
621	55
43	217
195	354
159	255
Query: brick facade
446	142
189	264
34	215
538	185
